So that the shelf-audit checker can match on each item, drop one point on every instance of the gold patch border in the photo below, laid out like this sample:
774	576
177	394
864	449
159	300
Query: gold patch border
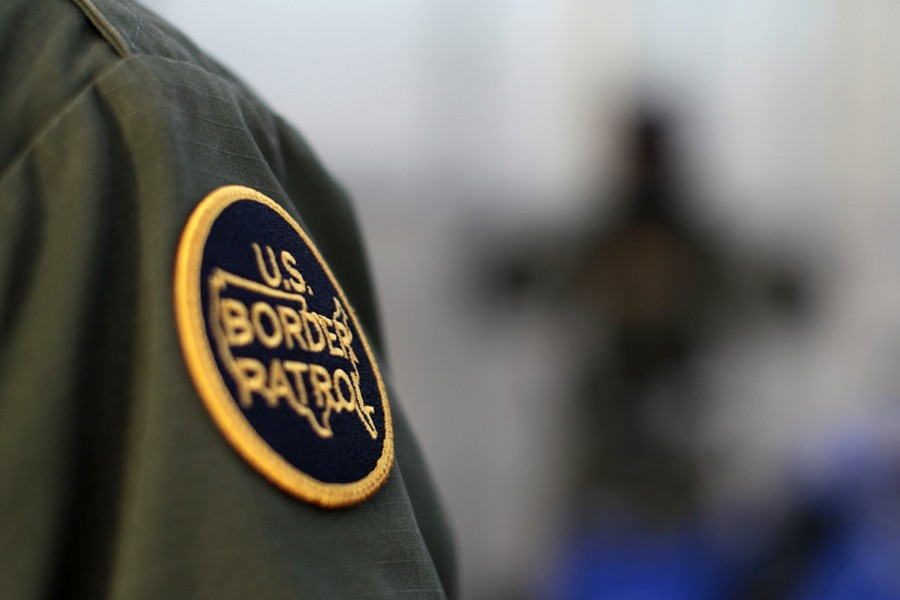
204	371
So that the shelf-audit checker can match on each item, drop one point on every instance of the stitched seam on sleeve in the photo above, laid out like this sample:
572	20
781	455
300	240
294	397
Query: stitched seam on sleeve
107	30
78	97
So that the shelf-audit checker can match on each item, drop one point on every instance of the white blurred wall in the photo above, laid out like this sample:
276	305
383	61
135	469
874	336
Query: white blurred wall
437	113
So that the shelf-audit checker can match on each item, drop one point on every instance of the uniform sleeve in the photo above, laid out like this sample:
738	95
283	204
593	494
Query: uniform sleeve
114	481
50	249
67	259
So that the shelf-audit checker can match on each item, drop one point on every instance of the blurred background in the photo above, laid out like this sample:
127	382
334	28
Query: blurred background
637	265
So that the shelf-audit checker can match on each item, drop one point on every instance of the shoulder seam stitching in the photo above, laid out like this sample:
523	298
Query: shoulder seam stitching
77	97
110	33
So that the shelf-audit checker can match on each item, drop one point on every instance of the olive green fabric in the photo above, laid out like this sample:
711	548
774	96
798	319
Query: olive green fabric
114	481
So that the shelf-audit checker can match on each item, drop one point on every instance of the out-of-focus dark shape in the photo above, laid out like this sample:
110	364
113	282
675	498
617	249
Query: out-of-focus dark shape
654	287
656	282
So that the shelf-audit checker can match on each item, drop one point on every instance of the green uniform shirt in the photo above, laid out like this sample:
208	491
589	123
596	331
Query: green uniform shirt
114	480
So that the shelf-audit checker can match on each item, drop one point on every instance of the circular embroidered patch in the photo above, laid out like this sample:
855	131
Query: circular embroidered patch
276	352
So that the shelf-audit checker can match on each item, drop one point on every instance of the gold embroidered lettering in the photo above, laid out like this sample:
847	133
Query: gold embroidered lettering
272	279
362	410
235	322
257	312
318	344
289	380
343	332
321	385
301	406
346	401
290	265
297	369
312	391
331	339
292	326
250	379
279	386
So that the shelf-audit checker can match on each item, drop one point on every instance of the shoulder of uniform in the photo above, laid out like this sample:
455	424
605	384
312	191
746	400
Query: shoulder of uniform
50	54
133	30
55	50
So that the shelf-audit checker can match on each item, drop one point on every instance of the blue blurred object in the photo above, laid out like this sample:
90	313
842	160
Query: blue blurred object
861	560
863	563
630	560
840	540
